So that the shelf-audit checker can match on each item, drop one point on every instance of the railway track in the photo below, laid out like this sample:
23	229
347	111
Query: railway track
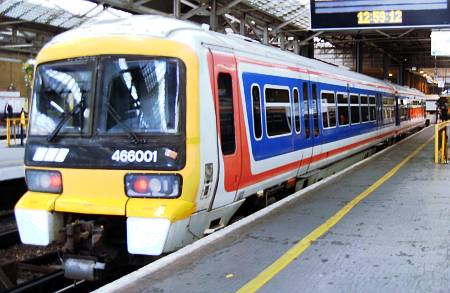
37	274
9	235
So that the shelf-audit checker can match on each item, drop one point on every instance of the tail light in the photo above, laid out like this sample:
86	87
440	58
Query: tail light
153	185
44	181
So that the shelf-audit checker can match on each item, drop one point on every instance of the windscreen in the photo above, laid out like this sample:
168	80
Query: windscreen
140	94
62	95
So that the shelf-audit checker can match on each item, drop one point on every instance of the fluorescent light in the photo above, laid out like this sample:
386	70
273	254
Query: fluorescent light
14	60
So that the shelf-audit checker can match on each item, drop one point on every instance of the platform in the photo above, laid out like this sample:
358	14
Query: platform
382	226
11	161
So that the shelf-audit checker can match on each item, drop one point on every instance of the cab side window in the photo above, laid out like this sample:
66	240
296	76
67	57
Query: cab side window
226	113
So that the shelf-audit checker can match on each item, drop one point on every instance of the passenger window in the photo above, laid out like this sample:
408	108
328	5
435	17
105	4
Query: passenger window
364	108
403	111
306	110
372	108
256	100
296	111
388	110
354	108
278	111
328	110
226	113
315	109
344	116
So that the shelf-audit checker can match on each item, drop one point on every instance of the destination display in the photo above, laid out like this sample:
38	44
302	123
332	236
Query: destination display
369	14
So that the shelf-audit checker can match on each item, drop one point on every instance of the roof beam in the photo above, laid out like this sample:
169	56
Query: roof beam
195	11
384	34
187	3
305	41
13	22
405	33
140	2
225	9
235	30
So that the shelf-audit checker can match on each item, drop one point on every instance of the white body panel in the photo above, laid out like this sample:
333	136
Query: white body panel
38	227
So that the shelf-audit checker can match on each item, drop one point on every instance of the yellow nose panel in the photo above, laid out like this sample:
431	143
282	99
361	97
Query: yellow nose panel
92	192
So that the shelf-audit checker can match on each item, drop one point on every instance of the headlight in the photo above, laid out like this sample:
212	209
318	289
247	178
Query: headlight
44	181
153	185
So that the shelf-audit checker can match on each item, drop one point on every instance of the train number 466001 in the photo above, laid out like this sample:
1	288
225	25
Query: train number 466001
130	156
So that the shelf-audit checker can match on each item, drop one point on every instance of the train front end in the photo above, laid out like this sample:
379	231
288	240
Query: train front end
113	148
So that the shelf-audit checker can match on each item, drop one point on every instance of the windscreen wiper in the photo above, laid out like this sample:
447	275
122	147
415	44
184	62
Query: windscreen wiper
65	116
135	139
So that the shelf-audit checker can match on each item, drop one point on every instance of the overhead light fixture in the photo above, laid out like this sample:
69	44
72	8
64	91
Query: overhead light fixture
390	74
6	59
421	72
17	46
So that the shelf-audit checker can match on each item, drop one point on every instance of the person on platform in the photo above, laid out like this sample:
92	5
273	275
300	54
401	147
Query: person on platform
437	113
22	125
10	111
443	108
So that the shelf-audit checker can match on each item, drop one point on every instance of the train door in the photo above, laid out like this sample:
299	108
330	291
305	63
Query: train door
397	110
379	103
227	107
303	140
315	121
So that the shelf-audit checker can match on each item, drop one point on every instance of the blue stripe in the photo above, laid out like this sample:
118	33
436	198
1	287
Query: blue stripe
271	147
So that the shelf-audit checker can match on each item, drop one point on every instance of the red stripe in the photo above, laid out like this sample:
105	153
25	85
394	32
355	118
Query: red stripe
317	73
252	179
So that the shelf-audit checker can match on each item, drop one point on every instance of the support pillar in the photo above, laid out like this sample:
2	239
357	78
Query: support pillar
386	65
242	26
359	53
296	48
282	41
266	36
400	75
213	16
176	8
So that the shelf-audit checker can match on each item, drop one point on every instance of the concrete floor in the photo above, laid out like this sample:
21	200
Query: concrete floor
396	240
11	161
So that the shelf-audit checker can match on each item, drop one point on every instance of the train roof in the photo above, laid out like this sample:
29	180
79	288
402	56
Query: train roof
164	27
408	92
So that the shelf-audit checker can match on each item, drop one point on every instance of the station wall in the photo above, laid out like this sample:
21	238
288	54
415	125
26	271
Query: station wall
12	73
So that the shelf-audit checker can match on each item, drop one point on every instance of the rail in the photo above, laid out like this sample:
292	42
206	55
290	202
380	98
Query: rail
441	143
14	127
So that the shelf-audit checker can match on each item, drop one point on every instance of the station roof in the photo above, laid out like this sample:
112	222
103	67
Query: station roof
65	15
33	22
297	11
26	25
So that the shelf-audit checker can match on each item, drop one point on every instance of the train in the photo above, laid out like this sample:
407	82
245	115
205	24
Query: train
147	133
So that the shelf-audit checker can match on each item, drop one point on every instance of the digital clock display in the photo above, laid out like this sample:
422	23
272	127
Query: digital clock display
380	17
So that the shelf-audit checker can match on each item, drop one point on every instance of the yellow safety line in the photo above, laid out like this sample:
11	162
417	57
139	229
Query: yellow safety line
295	251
